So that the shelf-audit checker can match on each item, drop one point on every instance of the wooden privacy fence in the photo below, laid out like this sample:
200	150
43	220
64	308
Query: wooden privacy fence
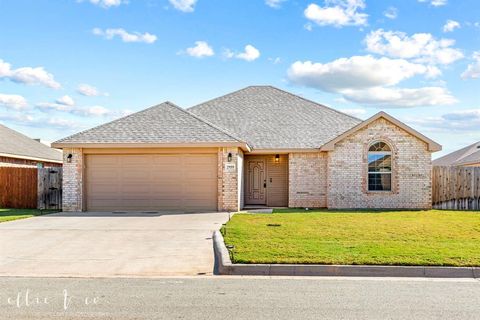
456	188
49	188
18	187
30	188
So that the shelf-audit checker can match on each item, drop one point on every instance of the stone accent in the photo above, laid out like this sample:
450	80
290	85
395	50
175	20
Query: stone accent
307	180
228	181
411	176
73	180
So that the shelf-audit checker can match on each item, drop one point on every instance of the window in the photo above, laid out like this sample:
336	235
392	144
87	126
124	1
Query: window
379	167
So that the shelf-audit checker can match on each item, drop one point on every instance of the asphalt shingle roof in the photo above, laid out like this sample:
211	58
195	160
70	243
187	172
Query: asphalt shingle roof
269	118
16	144
467	155
164	123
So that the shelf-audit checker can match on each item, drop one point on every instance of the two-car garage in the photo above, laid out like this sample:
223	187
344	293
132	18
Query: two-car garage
180	182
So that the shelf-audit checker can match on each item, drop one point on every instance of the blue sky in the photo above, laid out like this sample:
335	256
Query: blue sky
69	65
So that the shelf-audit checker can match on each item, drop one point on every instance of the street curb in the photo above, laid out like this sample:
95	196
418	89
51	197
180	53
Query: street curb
226	267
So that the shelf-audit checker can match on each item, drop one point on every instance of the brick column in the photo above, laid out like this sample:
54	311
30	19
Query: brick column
72	180
228	183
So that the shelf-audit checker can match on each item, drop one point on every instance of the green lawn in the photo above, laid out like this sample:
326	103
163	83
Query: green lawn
14	214
448	238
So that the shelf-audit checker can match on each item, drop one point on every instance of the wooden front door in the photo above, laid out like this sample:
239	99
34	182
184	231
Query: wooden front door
256	182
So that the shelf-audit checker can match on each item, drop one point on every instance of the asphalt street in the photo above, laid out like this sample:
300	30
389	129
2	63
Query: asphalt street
239	298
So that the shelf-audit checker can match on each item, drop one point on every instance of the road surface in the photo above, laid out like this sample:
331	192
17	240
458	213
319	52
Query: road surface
239	298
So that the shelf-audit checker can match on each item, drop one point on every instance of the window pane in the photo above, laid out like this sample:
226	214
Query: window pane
379	146
379	163
379	181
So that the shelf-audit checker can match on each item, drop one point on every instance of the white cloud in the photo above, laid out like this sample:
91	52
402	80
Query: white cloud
355	112
250	54
435	3
308	26
473	69
200	50
125	36
13	101
184	5
28	75
401	97
66	101
357	72
89	91
451	25
422	47
93	111
337	13
370	80
274	3
106	3
391	13
34	121
460	120
276	60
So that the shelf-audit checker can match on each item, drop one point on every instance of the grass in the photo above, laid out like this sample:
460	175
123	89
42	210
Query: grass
15	214
441	238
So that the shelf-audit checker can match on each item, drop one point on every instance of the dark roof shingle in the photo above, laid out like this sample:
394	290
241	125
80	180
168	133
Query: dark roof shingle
16	144
164	123
269	118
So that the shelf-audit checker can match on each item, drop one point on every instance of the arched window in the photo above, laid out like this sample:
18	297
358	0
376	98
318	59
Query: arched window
379	167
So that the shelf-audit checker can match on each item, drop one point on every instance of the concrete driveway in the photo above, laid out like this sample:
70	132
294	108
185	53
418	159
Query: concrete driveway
109	244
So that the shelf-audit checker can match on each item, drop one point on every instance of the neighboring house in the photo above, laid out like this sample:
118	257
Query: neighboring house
466	157
259	146
18	150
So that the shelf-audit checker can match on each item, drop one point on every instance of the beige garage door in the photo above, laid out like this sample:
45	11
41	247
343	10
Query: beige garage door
159	182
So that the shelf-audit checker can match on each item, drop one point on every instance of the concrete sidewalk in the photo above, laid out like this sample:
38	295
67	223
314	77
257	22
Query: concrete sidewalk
109	245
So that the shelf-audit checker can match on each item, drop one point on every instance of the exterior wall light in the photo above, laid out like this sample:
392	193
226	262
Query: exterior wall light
277	158
69	158
229	157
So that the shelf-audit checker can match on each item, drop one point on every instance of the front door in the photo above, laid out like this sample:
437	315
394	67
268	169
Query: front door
256	182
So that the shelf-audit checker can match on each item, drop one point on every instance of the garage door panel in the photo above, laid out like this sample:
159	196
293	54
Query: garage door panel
171	182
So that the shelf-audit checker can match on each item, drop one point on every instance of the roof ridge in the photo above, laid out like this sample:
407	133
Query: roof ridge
206	122
319	104
220	97
113	121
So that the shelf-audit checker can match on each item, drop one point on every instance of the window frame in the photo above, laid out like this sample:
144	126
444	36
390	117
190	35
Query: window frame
390	153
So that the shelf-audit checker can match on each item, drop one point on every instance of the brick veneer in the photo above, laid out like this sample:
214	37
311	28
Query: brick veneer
228	181
411	176
307	180
72	180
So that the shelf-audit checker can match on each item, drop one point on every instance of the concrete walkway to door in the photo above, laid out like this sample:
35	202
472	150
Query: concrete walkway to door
109	245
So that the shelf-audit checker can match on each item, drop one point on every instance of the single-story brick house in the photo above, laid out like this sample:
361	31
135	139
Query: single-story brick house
259	146
18	150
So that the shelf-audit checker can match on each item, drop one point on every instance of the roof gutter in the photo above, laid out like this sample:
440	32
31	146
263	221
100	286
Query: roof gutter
244	146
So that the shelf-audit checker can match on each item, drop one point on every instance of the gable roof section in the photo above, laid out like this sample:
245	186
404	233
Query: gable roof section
163	124
270	118
432	145
13	144
464	156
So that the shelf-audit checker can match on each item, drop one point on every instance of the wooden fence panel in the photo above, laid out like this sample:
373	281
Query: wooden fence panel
456	188
50	188
18	187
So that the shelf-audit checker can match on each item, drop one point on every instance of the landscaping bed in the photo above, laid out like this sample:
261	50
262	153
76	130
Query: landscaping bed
15	214
295	236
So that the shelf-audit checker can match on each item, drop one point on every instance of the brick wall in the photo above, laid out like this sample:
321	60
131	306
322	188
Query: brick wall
307	180
228	181
411	176
72	180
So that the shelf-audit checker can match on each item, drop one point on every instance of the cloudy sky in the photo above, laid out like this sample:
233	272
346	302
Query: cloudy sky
69	65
